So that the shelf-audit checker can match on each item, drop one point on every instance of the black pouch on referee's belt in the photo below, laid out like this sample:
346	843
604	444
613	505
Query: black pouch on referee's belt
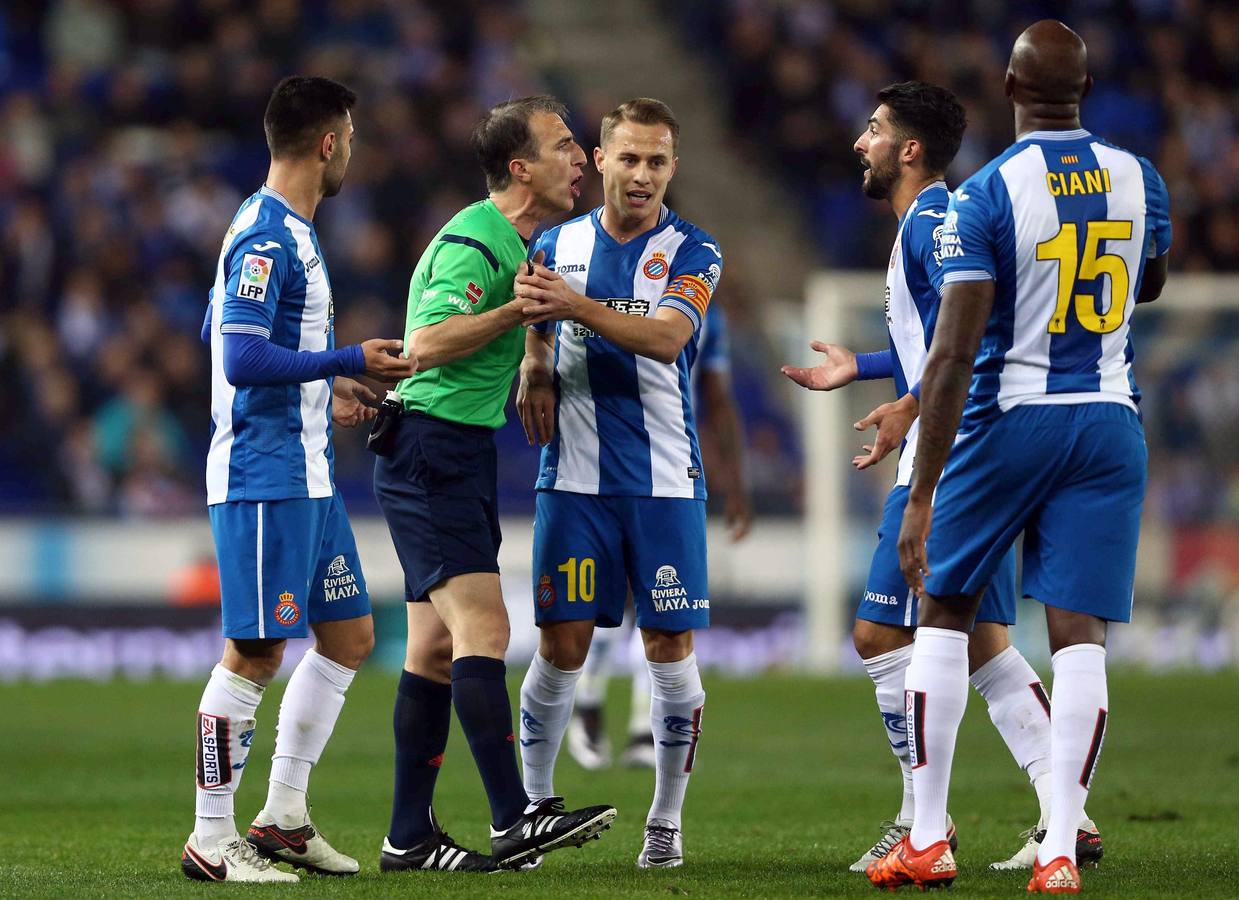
382	437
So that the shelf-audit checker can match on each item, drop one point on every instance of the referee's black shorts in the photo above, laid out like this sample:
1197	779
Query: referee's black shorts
438	495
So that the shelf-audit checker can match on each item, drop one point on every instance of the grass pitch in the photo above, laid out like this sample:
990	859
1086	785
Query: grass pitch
793	776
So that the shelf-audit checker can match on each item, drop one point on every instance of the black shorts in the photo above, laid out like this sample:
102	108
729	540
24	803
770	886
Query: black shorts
438	495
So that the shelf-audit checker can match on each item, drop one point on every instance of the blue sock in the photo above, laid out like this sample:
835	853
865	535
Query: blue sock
423	715
480	692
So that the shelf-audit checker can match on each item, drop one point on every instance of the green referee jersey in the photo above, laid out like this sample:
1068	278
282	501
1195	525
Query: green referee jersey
467	270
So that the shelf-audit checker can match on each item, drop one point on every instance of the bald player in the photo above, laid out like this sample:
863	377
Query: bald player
1028	389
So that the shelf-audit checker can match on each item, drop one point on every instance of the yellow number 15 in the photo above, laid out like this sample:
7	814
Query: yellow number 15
1064	248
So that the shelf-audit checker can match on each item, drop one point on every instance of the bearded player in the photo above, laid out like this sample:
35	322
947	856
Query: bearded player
1030	425
906	148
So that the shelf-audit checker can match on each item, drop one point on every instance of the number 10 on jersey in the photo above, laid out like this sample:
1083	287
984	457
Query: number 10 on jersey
580	578
1064	248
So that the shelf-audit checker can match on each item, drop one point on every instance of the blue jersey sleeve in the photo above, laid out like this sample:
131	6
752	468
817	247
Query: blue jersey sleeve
1157	206
966	245
694	276
925	236
255	270
714	351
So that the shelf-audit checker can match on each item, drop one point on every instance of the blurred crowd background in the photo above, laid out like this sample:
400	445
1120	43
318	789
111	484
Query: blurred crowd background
133	131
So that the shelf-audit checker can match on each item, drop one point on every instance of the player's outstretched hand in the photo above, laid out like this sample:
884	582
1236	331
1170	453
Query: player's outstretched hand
544	296
535	403
835	371
893	421
386	360
913	534
350	406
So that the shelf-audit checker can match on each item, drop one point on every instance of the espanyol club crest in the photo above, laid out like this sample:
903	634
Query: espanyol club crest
546	592
656	266
287	612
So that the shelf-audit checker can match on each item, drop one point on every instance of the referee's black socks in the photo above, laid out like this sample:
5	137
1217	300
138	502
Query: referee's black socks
422	717
480	692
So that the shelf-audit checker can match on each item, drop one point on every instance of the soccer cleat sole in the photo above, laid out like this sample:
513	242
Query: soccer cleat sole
577	837
662	864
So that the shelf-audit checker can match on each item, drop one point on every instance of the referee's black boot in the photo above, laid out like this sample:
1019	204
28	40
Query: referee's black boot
547	826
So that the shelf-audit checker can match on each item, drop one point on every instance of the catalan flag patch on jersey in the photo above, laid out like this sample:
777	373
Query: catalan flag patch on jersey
692	289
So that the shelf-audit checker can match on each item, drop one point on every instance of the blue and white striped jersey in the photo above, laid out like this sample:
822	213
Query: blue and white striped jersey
1062	222
624	423
913	282
270	442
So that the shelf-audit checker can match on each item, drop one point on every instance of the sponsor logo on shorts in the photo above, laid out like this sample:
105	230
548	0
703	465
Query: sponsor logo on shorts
214	760
340	581
666	577
287	612
546	592
669	594
881	599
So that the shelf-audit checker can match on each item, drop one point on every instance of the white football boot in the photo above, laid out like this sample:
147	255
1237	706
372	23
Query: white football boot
230	860
302	846
663	847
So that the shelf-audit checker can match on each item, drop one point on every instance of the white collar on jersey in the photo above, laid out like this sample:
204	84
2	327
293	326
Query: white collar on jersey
929	187
1073	135
272	192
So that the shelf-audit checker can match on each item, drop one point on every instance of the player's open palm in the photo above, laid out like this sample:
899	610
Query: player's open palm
836	370
893	421
386	360
350	403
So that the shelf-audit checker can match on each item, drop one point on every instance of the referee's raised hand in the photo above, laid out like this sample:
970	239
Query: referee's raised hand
386	360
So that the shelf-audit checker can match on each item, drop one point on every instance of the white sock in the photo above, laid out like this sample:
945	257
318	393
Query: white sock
1020	709
591	690
546	706
1077	729
936	692
887	672
312	703
639	710
225	730
675	717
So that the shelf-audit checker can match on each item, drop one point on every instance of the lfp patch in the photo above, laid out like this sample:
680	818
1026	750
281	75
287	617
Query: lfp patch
255	274
287	612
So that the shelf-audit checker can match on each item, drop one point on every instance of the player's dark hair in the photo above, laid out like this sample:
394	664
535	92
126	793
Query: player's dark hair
643	111
504	135
931	115
301	110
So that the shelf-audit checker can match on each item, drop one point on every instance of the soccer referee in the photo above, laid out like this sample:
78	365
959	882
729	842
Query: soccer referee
437	491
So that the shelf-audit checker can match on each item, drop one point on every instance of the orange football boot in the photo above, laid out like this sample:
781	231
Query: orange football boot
1059	876
933	867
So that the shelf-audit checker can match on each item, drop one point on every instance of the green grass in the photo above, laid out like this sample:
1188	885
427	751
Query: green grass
793	775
